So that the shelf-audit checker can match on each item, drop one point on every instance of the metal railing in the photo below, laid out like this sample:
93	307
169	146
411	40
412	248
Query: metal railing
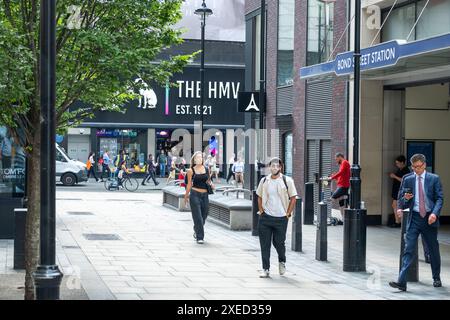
176	182
237	190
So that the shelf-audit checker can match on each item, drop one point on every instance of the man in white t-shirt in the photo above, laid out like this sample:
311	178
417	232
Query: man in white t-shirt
276	202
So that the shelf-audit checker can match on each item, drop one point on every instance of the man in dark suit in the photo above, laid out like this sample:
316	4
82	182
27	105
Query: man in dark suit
422	194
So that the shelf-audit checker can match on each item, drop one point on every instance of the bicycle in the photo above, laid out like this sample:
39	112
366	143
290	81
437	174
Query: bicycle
130	183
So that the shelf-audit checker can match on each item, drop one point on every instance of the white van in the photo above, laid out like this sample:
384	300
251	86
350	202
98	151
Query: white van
69	171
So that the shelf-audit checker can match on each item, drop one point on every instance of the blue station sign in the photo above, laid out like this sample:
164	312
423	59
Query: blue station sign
379	56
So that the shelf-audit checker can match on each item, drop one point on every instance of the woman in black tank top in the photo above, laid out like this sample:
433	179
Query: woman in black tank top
197	194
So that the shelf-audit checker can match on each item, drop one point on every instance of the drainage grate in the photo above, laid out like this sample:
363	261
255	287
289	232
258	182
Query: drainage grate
328	282
126	200
80	213
100	236
71	247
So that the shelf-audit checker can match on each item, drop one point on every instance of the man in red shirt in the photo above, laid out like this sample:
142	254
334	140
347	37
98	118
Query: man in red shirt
343	180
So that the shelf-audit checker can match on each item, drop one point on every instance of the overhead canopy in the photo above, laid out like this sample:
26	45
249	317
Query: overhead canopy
387	58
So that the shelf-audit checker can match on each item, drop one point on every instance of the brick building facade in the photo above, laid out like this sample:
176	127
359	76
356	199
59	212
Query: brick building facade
296	121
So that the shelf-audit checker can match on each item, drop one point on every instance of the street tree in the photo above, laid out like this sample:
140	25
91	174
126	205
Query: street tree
102	47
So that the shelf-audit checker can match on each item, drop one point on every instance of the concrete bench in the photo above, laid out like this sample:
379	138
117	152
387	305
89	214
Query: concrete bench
173	197
231	212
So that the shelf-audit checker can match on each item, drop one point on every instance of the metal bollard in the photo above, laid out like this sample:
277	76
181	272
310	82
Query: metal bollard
20	216
309	204
355	240
413	272
255	216
297	227
321	233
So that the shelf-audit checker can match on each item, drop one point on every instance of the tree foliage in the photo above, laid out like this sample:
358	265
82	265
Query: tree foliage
102	45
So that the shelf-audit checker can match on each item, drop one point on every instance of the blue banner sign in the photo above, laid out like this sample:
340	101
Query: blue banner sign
383	55
379	56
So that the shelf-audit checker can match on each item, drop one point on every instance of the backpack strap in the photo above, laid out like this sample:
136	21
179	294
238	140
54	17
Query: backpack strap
285	182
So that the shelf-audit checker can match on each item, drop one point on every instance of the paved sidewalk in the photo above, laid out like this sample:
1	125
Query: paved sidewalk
128	246
12	281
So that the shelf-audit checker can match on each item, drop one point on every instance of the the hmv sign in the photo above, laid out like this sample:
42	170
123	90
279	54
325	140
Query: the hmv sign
179	102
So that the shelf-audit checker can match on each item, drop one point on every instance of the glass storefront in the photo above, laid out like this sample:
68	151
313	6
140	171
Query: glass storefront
133	141
286	26
433	21
12	166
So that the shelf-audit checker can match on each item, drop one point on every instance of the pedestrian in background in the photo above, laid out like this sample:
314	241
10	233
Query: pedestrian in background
90	165
238	170
276	202
230	170
214	168
150	170
162	160
402	170
105	165
197	194
173	169
343	182
422	194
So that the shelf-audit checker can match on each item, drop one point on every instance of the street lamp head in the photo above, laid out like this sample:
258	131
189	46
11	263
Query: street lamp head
204	11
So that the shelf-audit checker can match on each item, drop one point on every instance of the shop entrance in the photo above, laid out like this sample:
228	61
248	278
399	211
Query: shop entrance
417	120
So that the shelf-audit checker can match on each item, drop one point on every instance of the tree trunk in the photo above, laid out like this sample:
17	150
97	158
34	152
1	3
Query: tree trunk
32	229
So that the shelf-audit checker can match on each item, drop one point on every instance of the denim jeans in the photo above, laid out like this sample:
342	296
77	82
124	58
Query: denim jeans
150	175
199	207
162	170
272	229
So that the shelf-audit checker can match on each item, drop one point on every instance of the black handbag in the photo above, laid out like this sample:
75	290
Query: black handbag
209	188
208	184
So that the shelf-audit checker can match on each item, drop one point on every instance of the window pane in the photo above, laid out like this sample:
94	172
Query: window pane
12	166
435	19
286	20
320	31
399	24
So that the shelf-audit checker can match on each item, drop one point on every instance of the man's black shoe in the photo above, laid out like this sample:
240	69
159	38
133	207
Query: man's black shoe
437	283
397	286
143	184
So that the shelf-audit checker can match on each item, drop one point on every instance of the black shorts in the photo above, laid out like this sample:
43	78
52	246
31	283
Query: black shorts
341	191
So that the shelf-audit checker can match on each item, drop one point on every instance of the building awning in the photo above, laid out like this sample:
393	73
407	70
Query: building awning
387	58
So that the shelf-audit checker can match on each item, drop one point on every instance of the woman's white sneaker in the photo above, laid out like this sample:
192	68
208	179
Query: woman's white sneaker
264	274
282	268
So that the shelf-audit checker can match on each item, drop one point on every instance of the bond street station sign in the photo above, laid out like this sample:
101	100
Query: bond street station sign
384	55
381	56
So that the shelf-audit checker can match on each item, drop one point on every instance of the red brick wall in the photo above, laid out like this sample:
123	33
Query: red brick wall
339	125
252	5
300	37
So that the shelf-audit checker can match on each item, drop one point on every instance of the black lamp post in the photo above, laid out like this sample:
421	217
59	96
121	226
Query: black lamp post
47	278
355	217
203	13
